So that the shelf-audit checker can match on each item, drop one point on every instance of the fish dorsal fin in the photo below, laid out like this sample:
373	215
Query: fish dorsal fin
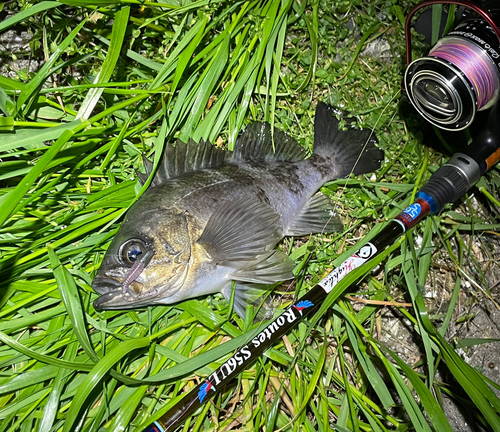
257	143
184	158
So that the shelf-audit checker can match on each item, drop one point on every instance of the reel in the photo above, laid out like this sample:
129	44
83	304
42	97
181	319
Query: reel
461	74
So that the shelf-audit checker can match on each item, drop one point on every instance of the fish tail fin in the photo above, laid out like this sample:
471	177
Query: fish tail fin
350	151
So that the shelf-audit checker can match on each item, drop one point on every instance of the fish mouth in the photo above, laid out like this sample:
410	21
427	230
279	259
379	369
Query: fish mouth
105	285
102	302
117	300
114	296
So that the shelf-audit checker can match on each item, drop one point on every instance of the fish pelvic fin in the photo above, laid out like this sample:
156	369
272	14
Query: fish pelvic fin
350	151
250	294
258	142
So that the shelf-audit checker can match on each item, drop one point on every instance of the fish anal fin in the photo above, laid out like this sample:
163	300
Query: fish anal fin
241	230
317	216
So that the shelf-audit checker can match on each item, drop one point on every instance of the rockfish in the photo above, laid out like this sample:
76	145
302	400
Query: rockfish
212	217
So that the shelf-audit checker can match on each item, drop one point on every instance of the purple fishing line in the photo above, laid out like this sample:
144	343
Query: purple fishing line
474	63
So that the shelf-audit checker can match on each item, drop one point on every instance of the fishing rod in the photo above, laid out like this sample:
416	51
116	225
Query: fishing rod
446	185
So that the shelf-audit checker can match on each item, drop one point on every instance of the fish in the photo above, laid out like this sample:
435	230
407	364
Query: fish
211	219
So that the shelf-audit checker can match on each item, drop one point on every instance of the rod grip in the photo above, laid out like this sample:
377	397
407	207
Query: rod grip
450	182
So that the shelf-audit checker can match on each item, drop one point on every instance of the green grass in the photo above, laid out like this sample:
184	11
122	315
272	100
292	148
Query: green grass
122	77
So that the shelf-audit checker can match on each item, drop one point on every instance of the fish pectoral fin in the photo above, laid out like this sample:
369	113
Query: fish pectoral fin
241	230
318	215
269	268
246	294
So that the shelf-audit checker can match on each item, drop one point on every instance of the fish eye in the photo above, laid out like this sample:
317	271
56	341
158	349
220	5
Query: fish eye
131	250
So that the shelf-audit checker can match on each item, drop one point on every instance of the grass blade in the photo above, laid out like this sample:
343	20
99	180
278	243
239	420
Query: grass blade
433	410
26	13
53	403
9	201
72	301
117	35
44	72
96	375
146	74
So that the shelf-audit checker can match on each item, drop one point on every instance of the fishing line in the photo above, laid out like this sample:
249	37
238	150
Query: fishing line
461	74
446	185
484	15
368	140
474	63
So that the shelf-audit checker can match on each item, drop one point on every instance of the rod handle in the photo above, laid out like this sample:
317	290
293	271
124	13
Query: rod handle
450	182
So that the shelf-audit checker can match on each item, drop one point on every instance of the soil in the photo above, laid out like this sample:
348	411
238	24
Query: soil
476	316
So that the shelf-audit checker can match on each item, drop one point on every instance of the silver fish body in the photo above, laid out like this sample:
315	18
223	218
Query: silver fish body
211	219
